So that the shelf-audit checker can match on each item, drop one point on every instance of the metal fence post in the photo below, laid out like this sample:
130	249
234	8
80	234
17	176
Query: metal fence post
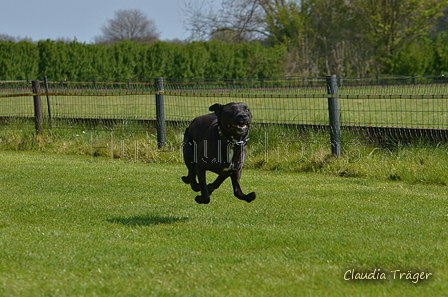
38	117
333	110
160	112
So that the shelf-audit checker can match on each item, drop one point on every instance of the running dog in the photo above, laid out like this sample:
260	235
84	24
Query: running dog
217	142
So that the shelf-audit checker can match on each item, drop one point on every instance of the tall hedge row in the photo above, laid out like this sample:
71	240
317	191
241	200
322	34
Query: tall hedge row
212	59
123	60
18	60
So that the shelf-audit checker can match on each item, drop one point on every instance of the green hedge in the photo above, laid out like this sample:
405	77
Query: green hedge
212	59
74	60
18	60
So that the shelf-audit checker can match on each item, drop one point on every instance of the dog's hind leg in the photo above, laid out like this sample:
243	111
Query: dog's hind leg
190	152
204	198
191	179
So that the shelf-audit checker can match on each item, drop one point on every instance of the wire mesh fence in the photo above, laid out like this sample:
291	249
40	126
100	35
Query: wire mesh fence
373	110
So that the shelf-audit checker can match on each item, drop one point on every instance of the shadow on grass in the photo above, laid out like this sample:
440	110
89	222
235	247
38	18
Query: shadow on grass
148	220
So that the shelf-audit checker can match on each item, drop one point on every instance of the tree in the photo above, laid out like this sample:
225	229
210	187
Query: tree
389	25
289	23
129	24
442	24
343	37
7	37
235	21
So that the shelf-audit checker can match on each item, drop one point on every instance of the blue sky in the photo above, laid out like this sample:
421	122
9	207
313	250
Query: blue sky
53	19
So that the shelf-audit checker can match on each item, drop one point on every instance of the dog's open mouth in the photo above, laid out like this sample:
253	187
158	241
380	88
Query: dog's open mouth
241	126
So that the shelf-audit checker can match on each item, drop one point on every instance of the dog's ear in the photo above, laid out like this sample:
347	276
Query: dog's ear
216	107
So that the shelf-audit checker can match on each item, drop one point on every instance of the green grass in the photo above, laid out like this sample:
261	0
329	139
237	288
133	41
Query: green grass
76	226
270	148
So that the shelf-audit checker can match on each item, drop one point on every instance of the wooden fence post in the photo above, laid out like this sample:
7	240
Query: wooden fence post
38	117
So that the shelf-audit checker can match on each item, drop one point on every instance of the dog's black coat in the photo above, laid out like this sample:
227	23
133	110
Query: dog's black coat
217	142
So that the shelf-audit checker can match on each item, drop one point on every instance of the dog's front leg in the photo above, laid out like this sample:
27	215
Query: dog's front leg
204	198
237	188
218	181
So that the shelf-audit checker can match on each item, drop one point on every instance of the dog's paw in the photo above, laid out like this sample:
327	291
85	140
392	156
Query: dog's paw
185	179
199	199
250	197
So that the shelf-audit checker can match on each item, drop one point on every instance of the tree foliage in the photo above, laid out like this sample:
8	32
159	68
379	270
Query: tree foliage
389	25
343	37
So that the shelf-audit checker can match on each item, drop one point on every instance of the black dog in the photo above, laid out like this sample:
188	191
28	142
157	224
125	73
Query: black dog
217	142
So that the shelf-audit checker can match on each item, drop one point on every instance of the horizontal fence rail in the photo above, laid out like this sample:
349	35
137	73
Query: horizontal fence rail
377	110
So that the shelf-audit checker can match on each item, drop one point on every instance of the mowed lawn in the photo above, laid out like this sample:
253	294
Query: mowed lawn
70	226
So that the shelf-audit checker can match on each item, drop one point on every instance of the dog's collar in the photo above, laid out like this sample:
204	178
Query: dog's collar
239	143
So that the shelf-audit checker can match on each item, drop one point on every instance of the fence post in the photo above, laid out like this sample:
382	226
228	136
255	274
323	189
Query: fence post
333	110
38	118
160	112
48	101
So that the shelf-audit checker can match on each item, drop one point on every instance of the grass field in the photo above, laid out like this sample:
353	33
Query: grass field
73	227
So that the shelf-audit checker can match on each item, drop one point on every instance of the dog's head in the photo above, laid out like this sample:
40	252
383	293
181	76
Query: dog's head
233	118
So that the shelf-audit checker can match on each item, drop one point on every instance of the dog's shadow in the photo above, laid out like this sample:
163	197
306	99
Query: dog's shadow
147	220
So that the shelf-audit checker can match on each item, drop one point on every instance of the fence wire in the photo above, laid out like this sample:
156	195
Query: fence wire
373	109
